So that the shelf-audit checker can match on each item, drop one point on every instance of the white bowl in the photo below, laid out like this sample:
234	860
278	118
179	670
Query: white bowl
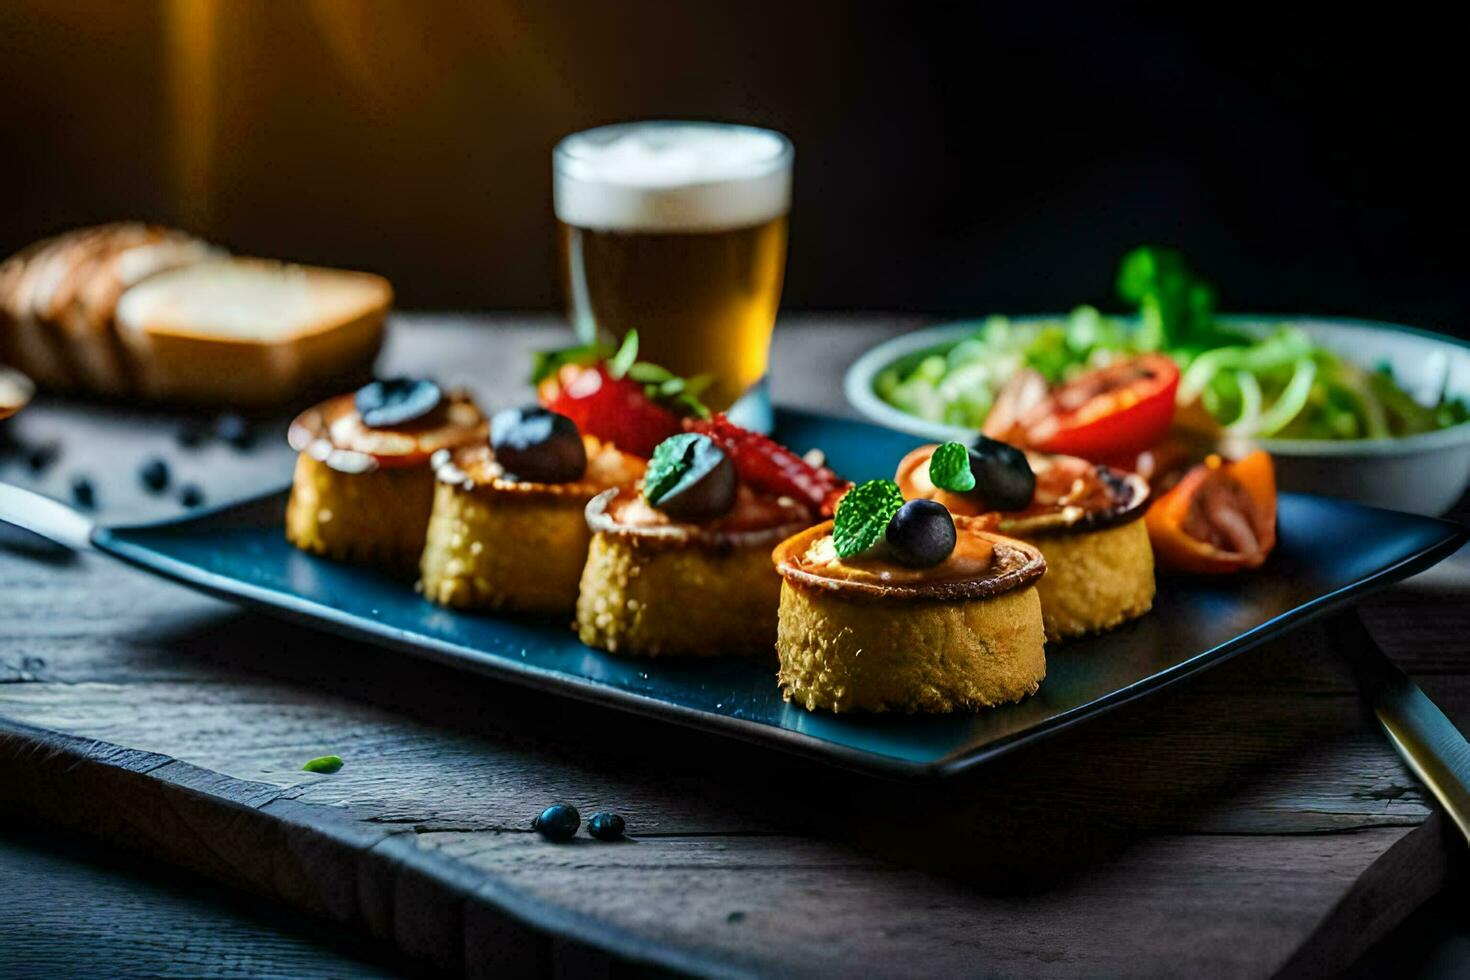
1420	474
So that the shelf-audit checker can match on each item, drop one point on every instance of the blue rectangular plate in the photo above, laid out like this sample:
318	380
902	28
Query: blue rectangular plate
1329	553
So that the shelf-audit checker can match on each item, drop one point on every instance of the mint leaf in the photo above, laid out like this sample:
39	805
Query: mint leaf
949	468
671	459
863	515
326	764
627	354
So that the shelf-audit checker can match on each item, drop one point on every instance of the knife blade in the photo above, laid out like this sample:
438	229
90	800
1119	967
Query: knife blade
1428	742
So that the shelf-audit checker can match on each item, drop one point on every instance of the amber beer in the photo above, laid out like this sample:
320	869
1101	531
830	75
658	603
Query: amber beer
677	230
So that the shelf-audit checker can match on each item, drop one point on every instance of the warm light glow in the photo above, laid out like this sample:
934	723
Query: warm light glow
192	29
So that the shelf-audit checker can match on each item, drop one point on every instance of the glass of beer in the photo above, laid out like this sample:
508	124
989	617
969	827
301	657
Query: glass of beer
677	230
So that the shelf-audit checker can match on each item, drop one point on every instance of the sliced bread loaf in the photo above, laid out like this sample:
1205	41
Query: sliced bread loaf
249	332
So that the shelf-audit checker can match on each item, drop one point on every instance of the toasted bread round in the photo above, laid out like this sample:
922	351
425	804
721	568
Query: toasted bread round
377	517
678	590
934	642
933	657
1095	580
509	545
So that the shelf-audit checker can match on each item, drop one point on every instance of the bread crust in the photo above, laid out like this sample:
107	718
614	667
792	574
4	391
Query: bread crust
1095	580
378	517
677	590
509	545
932	657
199	368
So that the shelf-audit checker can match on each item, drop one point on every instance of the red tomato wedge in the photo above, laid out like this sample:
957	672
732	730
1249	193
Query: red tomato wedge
1113	412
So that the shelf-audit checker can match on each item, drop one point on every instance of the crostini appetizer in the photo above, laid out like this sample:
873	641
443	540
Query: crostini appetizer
364	486
508	530
682	565
899	606
1085	517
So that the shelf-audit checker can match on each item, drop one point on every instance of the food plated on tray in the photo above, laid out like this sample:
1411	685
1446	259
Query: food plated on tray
653	528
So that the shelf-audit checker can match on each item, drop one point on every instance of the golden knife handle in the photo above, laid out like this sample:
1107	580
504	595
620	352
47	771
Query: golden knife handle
1424	738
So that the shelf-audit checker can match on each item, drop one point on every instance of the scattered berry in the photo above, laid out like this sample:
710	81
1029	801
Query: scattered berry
83	493
558	822
606	826
155	475
921	534
40	458
235	430
192	435
190	495
770	467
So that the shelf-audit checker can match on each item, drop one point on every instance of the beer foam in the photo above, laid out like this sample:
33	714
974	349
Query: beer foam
671	177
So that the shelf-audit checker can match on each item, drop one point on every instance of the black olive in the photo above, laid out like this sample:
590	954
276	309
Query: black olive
707	487
537	445
921	534
154	474
558	822
1003	477
191	496
606	826
396	401
83	492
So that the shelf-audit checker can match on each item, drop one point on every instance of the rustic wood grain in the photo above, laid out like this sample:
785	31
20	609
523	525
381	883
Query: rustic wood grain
1247	821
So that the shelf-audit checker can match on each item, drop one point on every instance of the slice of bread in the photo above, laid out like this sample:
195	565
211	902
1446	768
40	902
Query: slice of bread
85	321
29	288
249	332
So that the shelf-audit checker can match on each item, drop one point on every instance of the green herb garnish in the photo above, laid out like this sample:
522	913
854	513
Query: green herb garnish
949	468
545	363
863	516
325	764
627	355
672	458
662	386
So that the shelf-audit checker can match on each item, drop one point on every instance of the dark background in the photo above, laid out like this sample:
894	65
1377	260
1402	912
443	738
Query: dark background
949	160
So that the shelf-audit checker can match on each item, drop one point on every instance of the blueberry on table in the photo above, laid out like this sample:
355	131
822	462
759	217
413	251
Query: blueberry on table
537	445
40	458
234	430
396	401
192	435
155	474
558	822
190	495
921	534
606	826
83	493
1003	477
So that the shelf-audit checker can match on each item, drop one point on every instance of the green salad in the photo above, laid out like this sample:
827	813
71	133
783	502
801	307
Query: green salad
1280	385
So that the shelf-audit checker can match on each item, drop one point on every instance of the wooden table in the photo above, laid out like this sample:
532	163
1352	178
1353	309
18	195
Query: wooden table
1245	822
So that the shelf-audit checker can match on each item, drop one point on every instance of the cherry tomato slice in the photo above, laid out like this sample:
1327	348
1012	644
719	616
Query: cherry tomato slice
1115	411
1221	517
